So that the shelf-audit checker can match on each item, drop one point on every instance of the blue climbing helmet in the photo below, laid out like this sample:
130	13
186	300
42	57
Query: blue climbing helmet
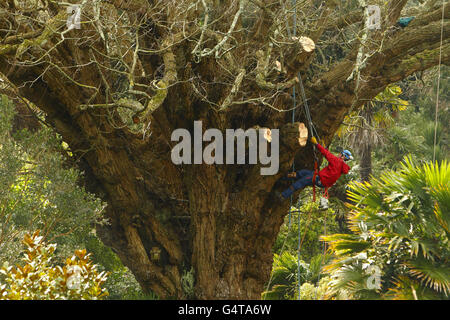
347	155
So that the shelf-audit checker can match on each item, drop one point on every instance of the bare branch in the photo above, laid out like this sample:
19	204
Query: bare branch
234	90
170	76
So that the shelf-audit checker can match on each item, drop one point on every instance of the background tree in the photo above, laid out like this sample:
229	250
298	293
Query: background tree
39	190
366	129
116	88
414	130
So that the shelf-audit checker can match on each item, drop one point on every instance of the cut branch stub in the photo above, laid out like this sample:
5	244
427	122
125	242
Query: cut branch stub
303	134
306	43
298	55
267	134
294	135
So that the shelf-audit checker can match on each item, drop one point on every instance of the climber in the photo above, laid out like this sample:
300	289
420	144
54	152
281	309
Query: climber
325	178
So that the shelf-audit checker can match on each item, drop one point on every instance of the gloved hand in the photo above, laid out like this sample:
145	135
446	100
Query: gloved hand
292	175
313	140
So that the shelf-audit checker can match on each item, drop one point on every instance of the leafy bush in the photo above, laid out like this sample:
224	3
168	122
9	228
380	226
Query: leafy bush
312	226
284	279
38	191
309	292
39	279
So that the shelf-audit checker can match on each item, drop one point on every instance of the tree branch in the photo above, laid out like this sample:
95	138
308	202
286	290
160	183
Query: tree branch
262	68
393	10
234	90
162	86
297	56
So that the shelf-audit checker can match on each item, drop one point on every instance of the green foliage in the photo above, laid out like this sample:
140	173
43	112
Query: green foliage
368	123
310	292
314	222
284	280
400	224
316	267
312	225
121	283
39	279
187	282
415	127
39	191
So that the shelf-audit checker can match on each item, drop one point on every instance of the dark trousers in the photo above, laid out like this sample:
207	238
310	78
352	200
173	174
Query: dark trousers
304	179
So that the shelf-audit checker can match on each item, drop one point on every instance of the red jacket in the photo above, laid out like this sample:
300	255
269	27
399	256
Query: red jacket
332	172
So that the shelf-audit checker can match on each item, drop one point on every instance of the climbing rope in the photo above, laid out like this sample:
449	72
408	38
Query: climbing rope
438	84
324	249
313	132
294	2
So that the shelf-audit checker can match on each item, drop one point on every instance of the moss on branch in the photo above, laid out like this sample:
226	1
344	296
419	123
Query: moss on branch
162	86
7	49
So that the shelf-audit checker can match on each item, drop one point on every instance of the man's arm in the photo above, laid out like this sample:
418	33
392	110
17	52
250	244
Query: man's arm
327	154
322	150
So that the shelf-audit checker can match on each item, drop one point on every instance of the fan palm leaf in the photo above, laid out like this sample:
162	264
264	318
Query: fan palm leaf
434	275
399	222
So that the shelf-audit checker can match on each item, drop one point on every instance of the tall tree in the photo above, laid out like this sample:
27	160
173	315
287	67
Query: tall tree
117	87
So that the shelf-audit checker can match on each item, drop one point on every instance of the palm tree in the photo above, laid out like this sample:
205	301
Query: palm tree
400	224
366	128
284	280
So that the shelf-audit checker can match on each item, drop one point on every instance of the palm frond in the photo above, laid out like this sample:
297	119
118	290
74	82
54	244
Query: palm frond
399	221
434	275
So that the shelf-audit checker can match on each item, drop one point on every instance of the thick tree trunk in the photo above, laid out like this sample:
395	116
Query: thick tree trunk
225	232
366	162
229	252
366	140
